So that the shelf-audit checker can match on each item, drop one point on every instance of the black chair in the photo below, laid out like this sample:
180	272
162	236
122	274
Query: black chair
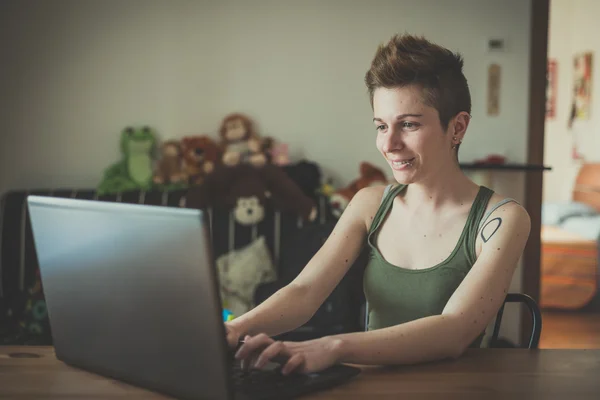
536	317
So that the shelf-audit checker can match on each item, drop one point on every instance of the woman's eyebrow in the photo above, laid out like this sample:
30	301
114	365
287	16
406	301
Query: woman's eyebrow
400	117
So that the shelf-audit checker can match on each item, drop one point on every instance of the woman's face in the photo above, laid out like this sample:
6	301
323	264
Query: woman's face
410	136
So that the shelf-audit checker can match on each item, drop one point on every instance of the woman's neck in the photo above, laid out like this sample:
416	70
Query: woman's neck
443	187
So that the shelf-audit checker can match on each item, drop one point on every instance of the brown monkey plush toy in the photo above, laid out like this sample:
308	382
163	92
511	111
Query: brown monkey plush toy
240	143
246	191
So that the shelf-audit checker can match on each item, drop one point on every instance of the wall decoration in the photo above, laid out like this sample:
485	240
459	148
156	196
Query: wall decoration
580	142
575	154
493	100
551	83
582	85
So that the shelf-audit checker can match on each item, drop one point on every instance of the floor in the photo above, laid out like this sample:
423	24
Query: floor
570	330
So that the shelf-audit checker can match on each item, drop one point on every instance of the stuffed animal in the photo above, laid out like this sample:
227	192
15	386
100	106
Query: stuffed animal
240	143
246	191
134	170
307	175
267	147
169	169
369	176
280	154
200	154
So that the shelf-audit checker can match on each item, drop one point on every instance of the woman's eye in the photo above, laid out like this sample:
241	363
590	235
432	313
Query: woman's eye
409	125
380	127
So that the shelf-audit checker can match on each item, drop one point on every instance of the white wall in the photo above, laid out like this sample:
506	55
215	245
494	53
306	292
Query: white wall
573	29
78	71
75	72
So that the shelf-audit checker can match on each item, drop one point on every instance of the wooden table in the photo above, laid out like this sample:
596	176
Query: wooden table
479	374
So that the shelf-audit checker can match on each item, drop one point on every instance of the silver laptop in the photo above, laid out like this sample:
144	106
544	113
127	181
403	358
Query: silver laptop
132	294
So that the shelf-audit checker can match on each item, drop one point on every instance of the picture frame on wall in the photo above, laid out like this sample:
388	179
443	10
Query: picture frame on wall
551	89
582	85
493	95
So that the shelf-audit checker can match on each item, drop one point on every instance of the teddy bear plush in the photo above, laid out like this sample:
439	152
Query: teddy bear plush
240	143
200	155
246	191
369	176
169	168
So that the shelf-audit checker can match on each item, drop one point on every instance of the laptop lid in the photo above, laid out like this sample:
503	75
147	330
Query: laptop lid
131	293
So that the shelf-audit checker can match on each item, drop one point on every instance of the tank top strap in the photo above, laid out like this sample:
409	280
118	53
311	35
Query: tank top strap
387	200
474	219
494	208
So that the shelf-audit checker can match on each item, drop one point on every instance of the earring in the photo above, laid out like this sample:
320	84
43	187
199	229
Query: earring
457	142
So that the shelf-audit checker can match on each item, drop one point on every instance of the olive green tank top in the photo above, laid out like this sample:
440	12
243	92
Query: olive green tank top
396	295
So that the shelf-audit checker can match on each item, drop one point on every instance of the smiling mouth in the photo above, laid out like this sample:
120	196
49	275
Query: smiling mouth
399	164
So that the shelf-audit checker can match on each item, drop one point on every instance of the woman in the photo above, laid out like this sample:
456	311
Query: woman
443	248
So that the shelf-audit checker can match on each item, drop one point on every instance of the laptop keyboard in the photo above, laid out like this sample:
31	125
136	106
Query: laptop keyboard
262	380
270	384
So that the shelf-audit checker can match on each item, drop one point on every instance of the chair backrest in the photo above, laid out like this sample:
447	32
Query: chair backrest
536	317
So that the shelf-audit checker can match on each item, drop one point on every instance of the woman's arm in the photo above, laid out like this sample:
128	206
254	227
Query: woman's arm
468	312
296	303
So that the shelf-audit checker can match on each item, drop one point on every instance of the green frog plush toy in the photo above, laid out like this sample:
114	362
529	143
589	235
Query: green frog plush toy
135	169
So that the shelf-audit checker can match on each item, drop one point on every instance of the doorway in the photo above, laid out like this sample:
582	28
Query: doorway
561	269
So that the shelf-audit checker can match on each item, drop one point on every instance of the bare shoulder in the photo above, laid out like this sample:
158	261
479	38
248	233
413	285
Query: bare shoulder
370	194
507	218
366	202
508	207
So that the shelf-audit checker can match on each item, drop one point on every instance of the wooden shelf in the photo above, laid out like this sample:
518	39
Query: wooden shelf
505	167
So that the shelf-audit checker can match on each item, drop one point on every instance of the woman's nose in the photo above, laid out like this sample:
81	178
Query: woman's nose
392	141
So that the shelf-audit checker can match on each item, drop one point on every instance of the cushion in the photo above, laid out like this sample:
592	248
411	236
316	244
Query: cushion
555	213
241	271
587	227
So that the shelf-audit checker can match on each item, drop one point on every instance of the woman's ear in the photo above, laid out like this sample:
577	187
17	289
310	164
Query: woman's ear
458	126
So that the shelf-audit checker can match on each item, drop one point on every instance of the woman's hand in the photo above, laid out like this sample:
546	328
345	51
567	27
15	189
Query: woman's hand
233	335
305	357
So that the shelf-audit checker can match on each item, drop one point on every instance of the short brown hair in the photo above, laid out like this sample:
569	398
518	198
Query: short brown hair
412	60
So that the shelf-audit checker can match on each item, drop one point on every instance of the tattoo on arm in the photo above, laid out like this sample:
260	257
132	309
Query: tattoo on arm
490	228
